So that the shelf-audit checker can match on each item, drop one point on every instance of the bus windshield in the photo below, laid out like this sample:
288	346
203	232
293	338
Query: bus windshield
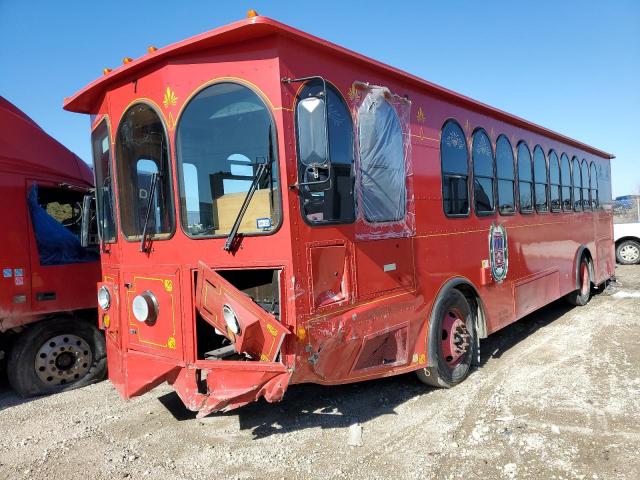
224	135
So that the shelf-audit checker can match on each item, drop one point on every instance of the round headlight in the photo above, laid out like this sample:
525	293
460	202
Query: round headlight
104	298
230	319
145	307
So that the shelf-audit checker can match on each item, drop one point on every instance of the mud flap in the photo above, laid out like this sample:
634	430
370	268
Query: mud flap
259	335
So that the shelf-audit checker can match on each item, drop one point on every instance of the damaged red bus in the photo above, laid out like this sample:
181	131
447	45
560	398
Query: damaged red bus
289	211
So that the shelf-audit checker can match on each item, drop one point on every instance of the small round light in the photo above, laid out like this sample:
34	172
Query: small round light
126	60
151	49
251	13
104	298
145	307
231	319
106	70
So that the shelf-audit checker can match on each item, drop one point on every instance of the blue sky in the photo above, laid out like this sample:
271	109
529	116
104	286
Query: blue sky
572	66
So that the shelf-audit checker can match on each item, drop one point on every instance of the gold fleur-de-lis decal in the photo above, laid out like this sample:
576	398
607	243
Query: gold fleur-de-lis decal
169	98
354	94
420	115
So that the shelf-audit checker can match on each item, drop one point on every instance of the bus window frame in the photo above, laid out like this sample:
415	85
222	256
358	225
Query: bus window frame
353	175
456	175
116	211
484	213
150	236
281	175
530	182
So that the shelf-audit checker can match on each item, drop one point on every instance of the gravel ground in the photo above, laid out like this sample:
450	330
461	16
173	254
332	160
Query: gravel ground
557	397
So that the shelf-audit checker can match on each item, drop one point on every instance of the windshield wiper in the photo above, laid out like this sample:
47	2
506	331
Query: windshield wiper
263	168
152	191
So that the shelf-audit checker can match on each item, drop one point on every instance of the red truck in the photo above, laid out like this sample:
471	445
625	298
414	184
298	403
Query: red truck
48	334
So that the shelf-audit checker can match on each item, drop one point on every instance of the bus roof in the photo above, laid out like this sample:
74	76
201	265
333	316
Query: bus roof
85	101
27	147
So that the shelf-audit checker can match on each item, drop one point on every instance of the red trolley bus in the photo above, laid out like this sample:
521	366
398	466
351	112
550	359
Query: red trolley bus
47	296
289	211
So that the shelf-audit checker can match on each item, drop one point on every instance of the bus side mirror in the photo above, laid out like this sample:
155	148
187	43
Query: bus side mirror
313	132
88	217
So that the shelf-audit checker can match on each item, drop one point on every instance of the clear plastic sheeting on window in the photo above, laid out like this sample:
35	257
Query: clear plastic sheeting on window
57	244
384	182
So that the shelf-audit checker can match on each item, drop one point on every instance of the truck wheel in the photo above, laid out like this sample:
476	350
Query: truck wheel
628	252
56	355
581	296
453	339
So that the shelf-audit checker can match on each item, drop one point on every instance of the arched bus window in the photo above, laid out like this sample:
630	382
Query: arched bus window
142	159
483	173
525	183
593	179
224	135
101	147
382	169
540	177
335	204
554	181
505	171
455	170
565	178
577	184
586	203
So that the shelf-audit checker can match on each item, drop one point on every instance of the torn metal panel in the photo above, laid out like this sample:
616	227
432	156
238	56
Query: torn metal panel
229	386
253	330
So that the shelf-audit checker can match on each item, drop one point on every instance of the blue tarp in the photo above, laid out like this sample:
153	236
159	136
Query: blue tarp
56	244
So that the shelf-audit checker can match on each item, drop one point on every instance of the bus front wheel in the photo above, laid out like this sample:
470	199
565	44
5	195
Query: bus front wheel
452	339
582	294
56	355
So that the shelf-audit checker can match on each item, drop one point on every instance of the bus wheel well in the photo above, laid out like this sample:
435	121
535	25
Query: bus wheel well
472	296
583	251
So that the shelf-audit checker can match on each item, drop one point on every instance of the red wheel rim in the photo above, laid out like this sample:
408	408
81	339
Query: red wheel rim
455	338
584	274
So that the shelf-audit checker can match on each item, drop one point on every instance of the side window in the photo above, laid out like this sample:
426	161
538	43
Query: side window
483	173
383	196
586	203
554	182
142	159
506	176
335	204
565	178
541	181
525	183
577	185
101	147
593	179
56	216
455	170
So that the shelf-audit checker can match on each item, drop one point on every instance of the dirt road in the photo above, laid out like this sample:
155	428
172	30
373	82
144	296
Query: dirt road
557	397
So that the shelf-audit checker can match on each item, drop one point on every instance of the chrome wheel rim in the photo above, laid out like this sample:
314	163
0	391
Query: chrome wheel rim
630	253
63	359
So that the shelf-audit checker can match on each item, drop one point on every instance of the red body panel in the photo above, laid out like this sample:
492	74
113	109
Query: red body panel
359	308
29	156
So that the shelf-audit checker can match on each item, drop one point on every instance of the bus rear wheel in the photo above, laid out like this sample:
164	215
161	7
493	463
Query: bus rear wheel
581	296
453	339
56	355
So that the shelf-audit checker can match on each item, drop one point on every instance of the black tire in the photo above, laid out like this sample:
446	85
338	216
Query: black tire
87	344
441	372
628	252
581	296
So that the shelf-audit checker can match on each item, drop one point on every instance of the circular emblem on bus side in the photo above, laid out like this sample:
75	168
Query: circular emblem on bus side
498	252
